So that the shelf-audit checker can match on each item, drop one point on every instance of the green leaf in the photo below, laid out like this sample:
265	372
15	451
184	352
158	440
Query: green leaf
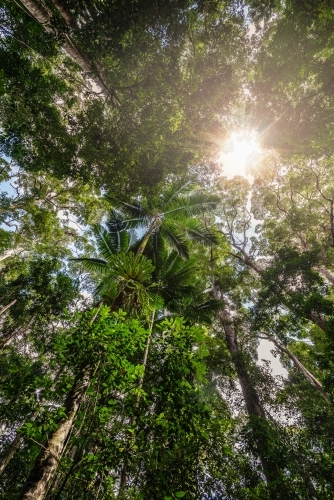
91	264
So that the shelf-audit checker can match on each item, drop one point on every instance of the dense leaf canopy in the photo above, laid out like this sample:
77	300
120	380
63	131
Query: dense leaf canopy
138	284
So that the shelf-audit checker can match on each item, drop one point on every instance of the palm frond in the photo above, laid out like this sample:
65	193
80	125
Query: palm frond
172	191
107	289
121	240
201	311
154	299
169	260
198	231
119	221
176	278
138	223
175	238
178	270
116	221
119	226
134	210
193	204
105	243
91	264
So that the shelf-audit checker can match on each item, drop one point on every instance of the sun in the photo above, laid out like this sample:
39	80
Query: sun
243	146
240	147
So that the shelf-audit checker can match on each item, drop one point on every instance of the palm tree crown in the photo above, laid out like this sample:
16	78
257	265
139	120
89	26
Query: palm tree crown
169	218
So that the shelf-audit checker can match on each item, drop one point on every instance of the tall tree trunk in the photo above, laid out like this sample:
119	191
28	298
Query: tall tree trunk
8	253
10	452
43	16
36	486
251	397
66	14
155	223
300	367
250	394
326	274
14	445
4	309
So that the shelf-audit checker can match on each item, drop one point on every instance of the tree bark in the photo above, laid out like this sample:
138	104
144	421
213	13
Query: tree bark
66	14
251	397
10	452
39	12
4	309
252	401
326	274
36	485
317	320
245	259
8	253
18	437
147	235
300	367
42	15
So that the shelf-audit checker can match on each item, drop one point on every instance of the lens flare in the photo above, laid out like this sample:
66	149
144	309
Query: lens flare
240	147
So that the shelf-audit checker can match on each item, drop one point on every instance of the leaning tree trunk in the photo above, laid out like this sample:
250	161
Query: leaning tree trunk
154	224
66	14
9	253
250	394
10	452
36	486
251	397
300	367
4	309
252	401
255	409
326	273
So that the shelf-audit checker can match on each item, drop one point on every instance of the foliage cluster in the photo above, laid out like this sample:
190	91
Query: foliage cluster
136	282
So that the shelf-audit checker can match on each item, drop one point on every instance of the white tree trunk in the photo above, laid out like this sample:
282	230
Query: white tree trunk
9	253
